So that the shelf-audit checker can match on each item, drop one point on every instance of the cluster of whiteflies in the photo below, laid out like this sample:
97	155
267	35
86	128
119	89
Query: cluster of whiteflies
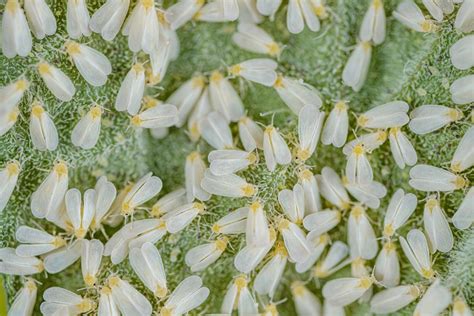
296	231
299	234
159	42
302	205
81	216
